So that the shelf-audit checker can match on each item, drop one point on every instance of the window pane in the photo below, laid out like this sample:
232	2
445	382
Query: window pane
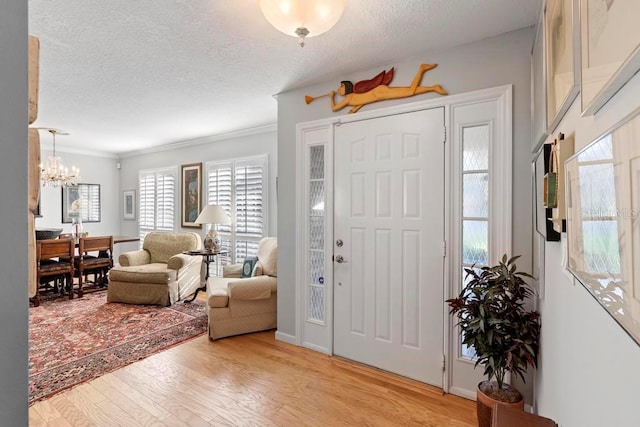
316	232
316	197
475	199
475	242
317	162
316	303
248	188
601	246
316	267
245	248
475	148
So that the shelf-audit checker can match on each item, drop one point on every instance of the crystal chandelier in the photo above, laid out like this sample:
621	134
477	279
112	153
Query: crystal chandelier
302	18
54	173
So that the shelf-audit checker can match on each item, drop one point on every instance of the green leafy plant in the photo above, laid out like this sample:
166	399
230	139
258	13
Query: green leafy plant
494	322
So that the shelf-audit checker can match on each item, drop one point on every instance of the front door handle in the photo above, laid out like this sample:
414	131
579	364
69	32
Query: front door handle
340	259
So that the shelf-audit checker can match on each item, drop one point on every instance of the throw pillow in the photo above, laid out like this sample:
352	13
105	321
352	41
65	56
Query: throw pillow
247	266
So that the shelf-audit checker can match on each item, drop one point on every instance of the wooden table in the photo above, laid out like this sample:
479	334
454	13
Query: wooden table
125	239
207	257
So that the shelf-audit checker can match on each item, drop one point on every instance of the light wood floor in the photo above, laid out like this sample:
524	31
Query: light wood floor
250	380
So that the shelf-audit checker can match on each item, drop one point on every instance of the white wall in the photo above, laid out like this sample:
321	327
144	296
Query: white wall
13	211
220	148
493	62
93	170
589	372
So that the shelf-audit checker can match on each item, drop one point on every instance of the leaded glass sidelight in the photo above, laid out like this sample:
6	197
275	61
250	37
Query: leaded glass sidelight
475	203
316	233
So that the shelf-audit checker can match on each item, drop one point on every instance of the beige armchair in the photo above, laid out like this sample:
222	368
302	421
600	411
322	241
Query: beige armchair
239	306
159	273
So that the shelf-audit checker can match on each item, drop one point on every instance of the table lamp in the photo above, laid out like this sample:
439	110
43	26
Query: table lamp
212	214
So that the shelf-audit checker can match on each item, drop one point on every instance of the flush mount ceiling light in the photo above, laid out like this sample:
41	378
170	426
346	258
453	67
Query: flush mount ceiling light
302	18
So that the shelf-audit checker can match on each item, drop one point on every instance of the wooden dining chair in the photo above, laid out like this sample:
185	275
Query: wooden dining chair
95	256
53	261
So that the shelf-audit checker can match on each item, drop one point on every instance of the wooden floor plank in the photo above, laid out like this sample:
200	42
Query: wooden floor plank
251	380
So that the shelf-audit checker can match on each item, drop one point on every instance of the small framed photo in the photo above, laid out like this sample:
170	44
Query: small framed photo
191	190
129	204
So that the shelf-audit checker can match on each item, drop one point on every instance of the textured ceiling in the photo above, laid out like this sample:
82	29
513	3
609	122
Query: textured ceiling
122	75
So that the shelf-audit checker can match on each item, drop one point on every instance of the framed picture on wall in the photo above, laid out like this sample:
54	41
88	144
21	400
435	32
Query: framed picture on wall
83	201
562	58
610	38
191	190
603	231
538	96
129	204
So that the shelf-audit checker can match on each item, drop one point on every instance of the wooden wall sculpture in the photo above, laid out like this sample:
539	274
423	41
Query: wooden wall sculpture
377	89
33	159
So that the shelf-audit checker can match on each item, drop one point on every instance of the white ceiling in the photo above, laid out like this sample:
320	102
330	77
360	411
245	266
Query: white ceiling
122	75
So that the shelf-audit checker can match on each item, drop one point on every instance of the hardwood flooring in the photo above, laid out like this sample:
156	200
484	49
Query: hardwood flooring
250	380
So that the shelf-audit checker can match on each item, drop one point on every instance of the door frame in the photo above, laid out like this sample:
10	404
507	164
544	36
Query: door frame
319	336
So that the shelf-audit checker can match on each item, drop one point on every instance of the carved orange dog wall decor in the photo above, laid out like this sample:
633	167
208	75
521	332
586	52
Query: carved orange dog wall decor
377	89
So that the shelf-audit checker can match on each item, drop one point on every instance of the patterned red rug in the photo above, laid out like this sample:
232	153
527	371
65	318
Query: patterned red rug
72	341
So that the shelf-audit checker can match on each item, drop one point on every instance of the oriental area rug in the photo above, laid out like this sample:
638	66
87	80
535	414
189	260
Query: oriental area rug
72	341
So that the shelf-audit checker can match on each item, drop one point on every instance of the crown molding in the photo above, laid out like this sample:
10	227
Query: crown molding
203	140
70	150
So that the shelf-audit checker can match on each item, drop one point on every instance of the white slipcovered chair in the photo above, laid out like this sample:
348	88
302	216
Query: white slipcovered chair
237	305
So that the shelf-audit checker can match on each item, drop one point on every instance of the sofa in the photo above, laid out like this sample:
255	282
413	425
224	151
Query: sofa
237	305
159	273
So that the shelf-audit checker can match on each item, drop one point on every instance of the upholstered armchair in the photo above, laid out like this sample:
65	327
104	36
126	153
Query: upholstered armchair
237	305
159	273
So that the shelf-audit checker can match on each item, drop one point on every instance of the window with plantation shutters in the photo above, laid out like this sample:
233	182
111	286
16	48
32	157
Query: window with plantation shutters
157	195
240	187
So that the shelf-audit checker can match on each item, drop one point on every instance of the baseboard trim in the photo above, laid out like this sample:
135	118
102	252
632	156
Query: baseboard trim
471	395
317	348
290	339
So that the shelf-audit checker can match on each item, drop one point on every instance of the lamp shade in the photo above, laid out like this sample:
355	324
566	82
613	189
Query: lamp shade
213	214
316	16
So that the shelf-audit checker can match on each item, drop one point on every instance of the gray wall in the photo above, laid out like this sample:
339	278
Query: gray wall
207	150
13	211
589	372
492	62
93	170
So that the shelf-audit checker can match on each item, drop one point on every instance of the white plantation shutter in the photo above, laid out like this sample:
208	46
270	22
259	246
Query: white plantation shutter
157	195
219	181
90	193
239	187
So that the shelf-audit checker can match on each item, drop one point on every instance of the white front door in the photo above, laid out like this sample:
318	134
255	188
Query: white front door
389	232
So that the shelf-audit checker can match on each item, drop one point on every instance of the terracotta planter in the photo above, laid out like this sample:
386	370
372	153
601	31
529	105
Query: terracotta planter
485	401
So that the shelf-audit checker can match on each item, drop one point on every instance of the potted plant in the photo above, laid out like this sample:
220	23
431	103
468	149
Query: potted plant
503	333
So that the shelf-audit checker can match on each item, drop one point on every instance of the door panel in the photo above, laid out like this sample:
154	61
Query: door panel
389	212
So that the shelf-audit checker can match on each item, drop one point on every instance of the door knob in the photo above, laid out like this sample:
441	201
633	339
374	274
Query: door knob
340	259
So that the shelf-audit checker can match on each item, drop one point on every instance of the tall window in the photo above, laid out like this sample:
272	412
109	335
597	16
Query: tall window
240	187
157	190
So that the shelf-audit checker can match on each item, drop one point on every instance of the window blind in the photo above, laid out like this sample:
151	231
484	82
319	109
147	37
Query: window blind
239	186
157	196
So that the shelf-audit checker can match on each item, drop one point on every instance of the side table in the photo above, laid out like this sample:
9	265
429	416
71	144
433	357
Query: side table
207	257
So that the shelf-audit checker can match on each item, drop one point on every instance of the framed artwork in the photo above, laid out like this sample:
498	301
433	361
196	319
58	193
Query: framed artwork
542	214
129	204
191	194
562	58
81	201
538	91
610	38
603	221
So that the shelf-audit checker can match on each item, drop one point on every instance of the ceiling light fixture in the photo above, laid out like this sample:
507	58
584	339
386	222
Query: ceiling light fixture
55	174
302	18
